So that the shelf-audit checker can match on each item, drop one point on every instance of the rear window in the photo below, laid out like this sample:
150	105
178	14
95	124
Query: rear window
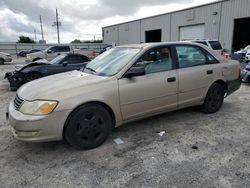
215	45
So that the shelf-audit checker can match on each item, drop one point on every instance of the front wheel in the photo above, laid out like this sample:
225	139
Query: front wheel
88	126
214	99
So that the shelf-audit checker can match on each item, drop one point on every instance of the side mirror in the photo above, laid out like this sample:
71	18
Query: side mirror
65	63
49	51
134	71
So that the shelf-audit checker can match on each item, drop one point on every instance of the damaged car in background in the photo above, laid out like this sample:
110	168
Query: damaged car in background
245	73
123	84
31	71
5	57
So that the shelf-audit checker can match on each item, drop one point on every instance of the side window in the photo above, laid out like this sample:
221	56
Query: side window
85	59
54	49
215	45
63	49
190	56
211	58
74	59
156	60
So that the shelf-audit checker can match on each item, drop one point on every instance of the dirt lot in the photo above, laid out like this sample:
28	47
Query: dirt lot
198	150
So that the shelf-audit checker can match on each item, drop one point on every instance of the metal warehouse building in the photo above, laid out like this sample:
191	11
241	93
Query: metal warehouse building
227	21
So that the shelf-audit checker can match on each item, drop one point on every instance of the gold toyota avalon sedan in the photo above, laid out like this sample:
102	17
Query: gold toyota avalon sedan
123	84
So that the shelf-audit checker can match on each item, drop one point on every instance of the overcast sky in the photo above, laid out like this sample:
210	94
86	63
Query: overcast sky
81	19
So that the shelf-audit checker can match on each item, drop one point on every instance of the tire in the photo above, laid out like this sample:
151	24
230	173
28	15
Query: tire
214	99
88	127
31	76
1	61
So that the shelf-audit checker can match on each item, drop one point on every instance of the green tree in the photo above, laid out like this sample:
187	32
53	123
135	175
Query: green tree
24	39
76	41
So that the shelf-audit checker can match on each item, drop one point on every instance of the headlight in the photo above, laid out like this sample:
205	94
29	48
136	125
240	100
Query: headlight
38	107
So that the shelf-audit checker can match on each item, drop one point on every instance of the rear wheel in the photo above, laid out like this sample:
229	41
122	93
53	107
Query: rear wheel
31	76
88	126
214	99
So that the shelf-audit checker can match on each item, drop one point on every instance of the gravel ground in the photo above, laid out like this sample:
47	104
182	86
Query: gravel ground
198	150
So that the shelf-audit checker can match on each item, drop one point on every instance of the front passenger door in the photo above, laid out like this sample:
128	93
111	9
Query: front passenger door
154	92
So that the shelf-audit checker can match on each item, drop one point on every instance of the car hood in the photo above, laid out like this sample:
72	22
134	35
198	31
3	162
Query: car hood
20	67
60	86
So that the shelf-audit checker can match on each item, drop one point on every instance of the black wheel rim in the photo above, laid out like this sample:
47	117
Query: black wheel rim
32	77
215	98
90	128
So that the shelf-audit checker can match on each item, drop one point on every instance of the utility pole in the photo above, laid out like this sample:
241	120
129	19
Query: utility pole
41	24
57	27
35	34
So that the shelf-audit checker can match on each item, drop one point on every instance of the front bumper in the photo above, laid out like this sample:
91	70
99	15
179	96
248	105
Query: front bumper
15	79
32	128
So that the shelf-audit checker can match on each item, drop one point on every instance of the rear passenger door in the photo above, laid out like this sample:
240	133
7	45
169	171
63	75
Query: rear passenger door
195	75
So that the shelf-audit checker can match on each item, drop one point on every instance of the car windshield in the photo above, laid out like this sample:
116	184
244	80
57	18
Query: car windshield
57	60
112	61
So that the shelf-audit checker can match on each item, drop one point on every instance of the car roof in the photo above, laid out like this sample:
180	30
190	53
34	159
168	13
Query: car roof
155	44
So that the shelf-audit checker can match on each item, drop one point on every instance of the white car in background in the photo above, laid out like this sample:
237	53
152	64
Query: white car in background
5	57
243	51
213	44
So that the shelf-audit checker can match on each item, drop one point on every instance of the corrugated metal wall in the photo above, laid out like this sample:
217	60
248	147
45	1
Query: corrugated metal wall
217	17
232	9
201	15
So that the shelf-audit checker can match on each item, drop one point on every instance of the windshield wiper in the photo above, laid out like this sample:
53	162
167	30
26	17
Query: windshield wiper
92	70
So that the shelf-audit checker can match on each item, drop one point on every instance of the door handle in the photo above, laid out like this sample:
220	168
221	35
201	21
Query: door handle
172	79
209	71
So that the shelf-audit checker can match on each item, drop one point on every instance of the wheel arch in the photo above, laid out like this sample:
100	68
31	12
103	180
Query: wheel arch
223	84
104	105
